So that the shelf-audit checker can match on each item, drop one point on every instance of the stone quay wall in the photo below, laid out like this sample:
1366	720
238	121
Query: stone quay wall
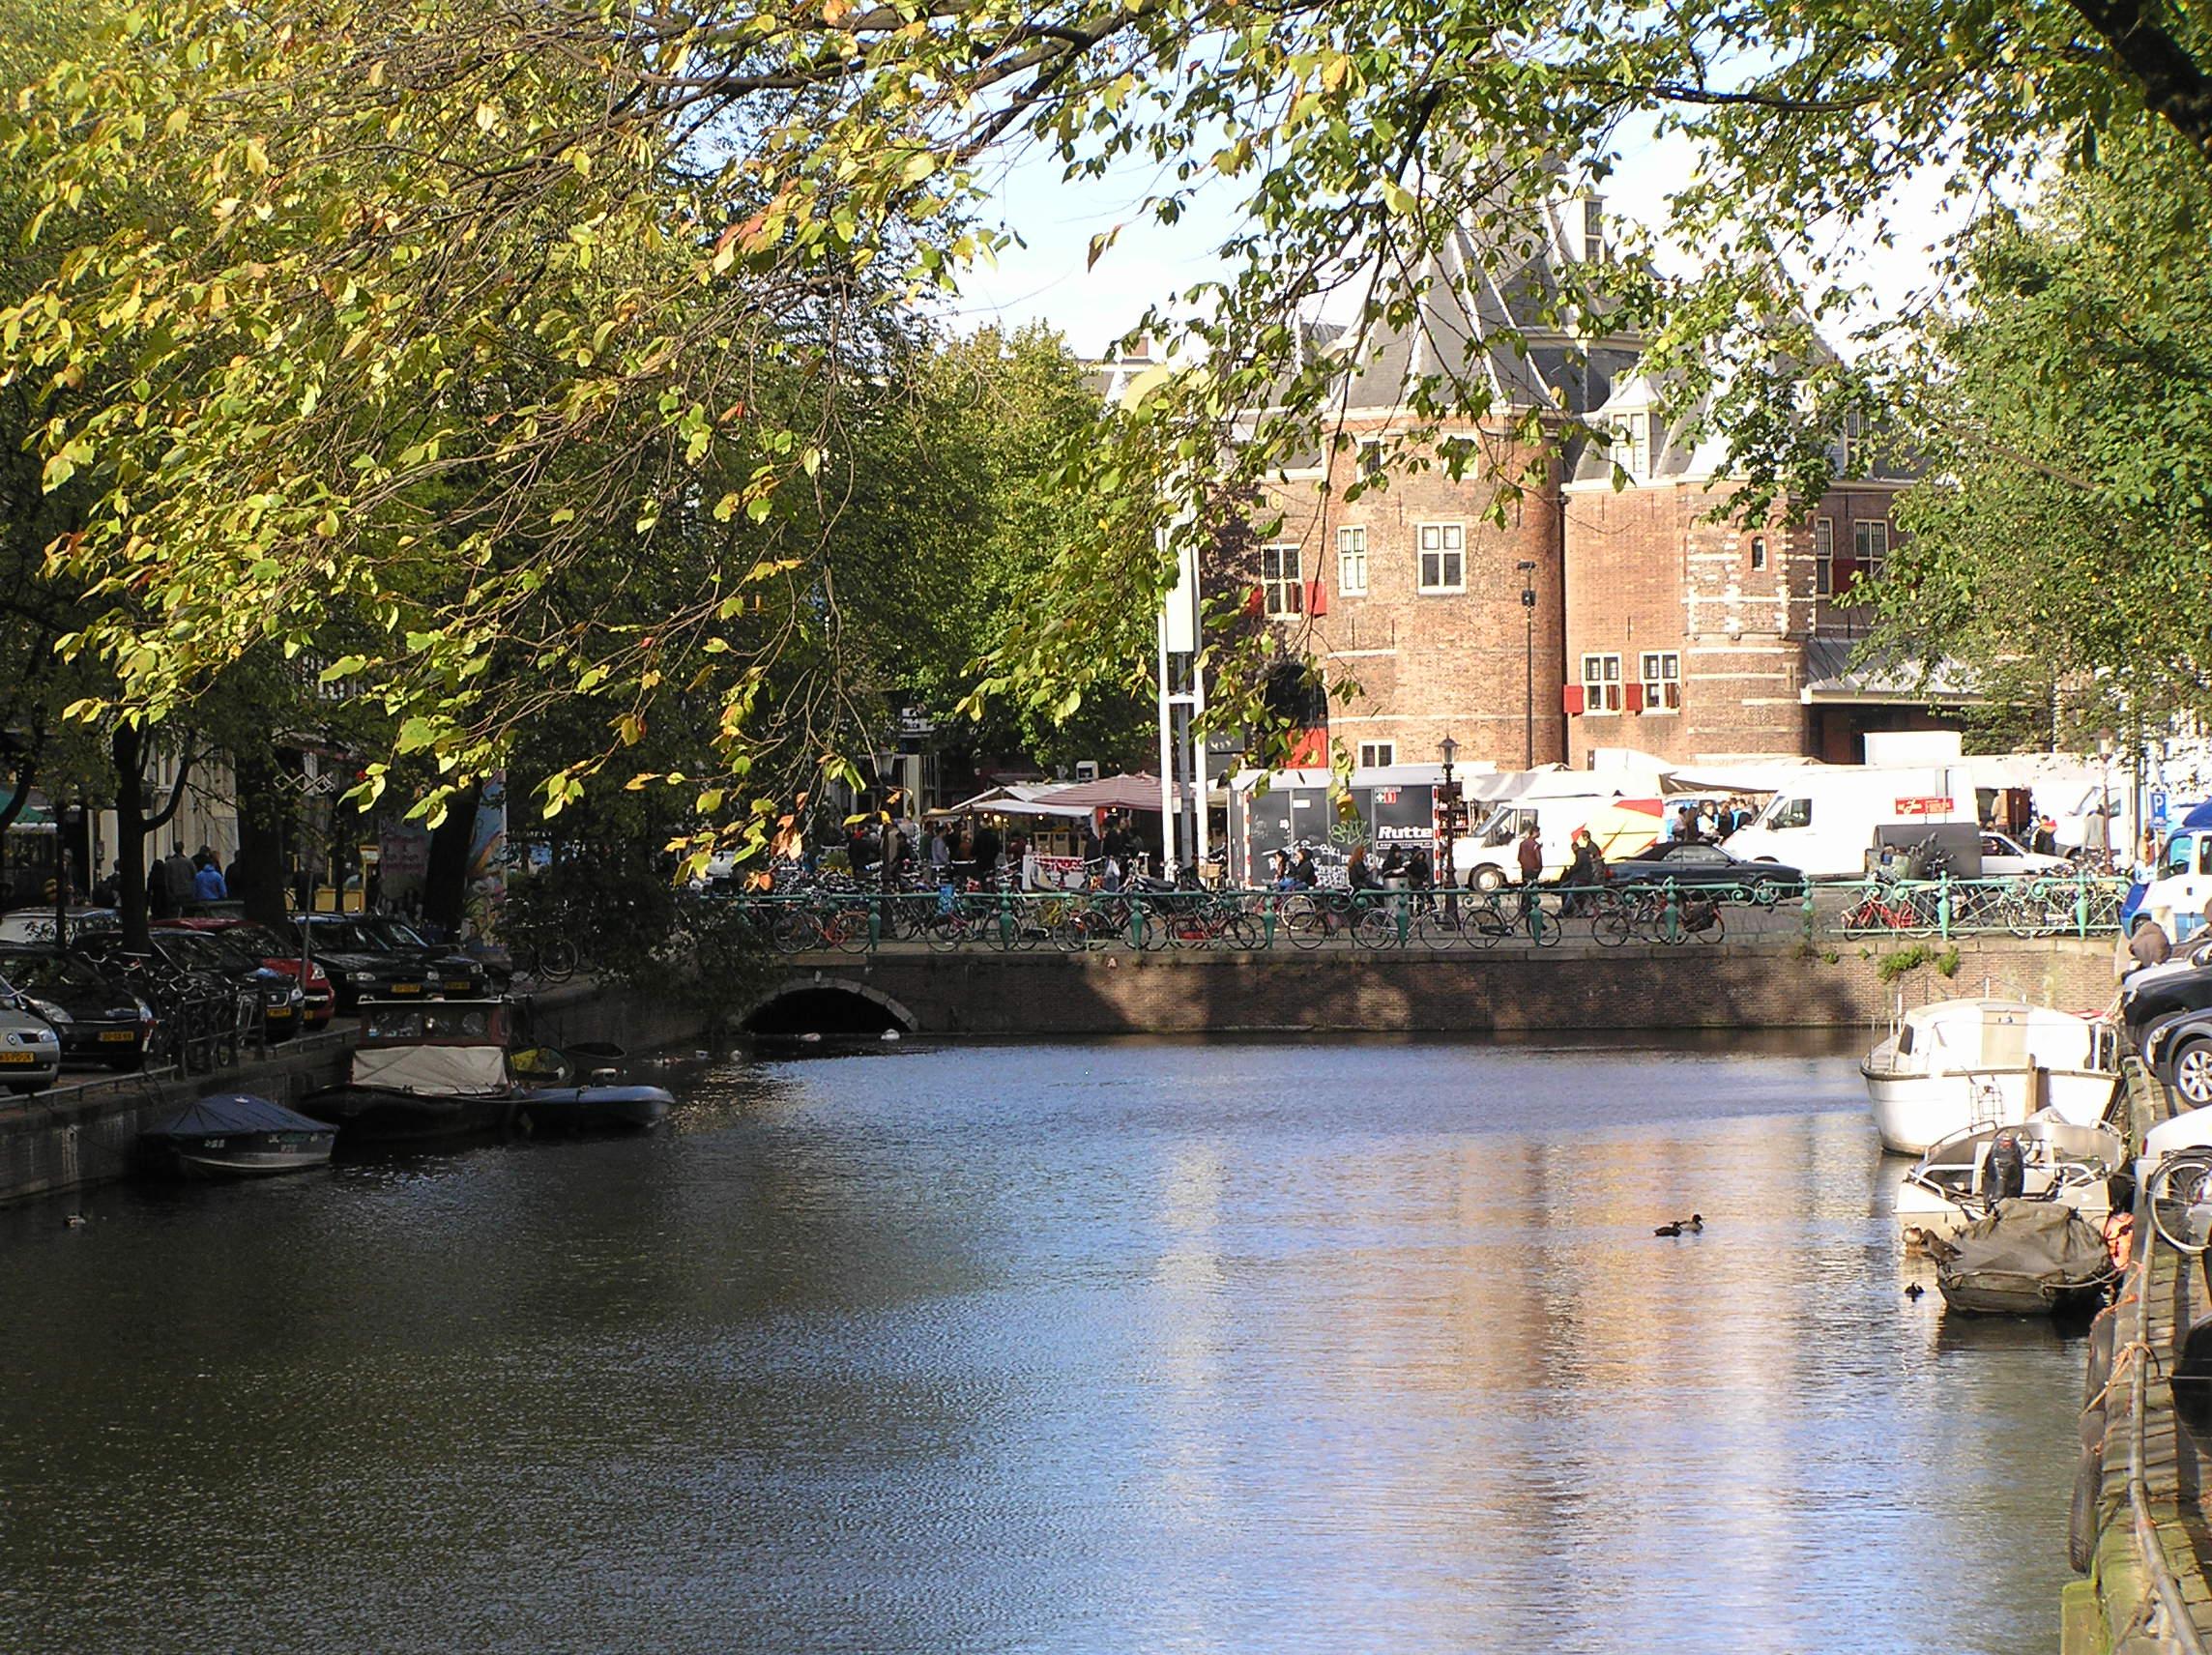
87	1132
1343	991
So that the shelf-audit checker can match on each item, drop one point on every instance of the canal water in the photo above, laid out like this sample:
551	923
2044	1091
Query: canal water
1122	1348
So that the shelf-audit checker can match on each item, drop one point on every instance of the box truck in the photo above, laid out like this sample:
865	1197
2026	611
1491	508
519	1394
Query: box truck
1824	822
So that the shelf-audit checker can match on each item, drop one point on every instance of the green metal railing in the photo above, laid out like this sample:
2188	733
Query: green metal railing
1608	915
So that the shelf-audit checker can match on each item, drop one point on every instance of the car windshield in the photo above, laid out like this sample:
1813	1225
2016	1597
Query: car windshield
344	934
395	934
258	941
35	971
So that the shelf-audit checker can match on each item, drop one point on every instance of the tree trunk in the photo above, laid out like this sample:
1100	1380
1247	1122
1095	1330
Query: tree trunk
445	879
264	815
128	745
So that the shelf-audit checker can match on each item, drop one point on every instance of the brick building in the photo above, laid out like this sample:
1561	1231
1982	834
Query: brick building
1595	617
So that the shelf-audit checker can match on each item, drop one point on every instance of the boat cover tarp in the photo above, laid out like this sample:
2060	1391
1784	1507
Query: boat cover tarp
2038	1243
439	1071
234	1112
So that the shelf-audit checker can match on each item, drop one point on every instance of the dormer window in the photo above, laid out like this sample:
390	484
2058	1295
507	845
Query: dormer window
1593	230
1643	444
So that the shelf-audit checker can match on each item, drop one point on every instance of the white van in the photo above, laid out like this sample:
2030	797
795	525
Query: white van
1825	822
2181	883
1489	857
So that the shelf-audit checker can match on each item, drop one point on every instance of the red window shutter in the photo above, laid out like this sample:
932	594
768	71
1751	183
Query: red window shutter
1317	597
1571	698
1635	697
1256	600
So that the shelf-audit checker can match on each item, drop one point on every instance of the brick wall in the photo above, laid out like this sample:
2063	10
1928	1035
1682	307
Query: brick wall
1471	663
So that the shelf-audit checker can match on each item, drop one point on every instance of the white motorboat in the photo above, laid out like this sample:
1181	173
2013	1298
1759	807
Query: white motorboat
1956	1064
2041	1158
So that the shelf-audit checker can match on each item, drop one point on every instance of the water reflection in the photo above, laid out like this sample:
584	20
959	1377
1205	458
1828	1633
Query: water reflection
1118	1348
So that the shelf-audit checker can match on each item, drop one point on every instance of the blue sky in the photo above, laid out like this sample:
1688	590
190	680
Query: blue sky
1047	280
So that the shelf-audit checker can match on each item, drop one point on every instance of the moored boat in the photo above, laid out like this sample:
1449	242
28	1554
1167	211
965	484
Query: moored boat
423	1069
1956	1065
2045	1157
581	1088
2025	1258
237	1135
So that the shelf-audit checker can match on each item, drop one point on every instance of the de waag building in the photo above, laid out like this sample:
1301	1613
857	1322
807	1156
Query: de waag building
1599	616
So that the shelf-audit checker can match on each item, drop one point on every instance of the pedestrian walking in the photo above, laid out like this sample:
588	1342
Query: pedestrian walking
1532	854
207	880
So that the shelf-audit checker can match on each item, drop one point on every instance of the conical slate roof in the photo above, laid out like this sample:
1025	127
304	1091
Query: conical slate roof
1491	313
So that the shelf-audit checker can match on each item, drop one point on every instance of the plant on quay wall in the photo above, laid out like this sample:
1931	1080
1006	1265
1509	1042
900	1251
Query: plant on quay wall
536	342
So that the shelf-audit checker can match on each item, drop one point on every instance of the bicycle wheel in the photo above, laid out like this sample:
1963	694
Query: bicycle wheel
1376	928
1438	928
948	932
1615	928
1306	920
557	960
1241	931
1707	925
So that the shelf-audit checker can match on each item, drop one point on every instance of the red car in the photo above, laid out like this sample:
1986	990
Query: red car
265	946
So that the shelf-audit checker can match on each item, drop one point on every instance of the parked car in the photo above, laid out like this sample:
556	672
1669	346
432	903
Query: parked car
1706	865
363	963
36	924
2004	857
277	997
2150	998
203	1015
2178	1050
30	1051
317	1001
460	977
100	1017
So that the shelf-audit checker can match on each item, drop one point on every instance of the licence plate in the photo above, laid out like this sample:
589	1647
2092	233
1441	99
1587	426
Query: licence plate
278	1011
460	983
118	1037
19	1056
406	988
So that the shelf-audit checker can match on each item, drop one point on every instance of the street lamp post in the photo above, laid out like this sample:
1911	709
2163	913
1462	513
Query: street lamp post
1528	665
1448	817
2106	742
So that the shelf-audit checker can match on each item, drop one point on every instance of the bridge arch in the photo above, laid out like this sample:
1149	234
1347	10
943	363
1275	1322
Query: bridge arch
816	1002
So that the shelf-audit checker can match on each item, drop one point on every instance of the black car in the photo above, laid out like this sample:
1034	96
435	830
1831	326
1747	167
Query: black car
363	963
2148	1000
202	1014
1696	863
100	1017
459	976
276	997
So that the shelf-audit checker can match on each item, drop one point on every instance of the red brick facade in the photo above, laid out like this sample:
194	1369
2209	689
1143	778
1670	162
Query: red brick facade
1437	637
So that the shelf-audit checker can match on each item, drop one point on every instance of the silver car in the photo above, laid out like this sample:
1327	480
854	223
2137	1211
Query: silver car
30	1051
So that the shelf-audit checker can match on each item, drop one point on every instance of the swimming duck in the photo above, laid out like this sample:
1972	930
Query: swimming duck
1673	1228
1915	1290
1697	1223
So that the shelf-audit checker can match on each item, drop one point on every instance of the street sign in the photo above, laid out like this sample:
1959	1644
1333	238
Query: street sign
2158	807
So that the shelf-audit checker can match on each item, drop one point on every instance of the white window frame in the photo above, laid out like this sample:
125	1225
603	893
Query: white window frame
1662	680
1446	543
1352	560
1870	545
1280	580
1823	557
1759	551
1601	682
1375	755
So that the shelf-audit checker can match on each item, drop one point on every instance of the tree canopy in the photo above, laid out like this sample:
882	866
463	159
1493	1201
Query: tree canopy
426	320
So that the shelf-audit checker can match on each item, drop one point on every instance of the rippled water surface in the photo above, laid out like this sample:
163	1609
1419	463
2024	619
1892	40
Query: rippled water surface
1249	1349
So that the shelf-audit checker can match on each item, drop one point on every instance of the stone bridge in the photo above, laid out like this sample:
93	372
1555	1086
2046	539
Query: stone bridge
1779	985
